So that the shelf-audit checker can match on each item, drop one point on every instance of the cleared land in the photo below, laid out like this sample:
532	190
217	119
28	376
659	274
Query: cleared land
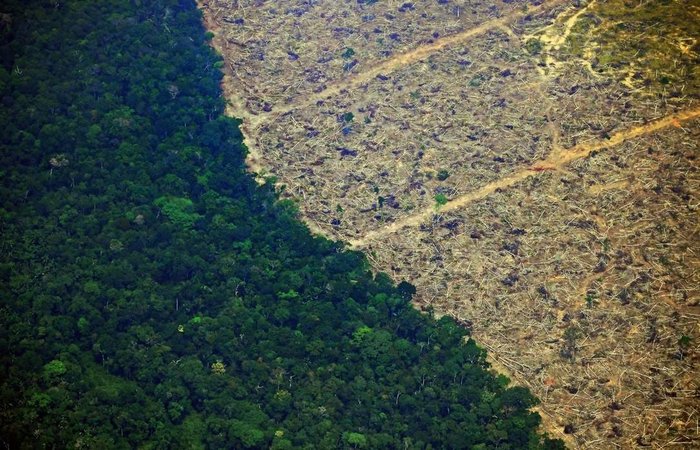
531	166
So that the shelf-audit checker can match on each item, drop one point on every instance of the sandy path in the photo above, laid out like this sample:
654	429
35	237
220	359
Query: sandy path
556	161
418	54
251	123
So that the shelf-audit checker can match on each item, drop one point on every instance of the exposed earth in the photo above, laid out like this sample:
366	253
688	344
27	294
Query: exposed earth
532	167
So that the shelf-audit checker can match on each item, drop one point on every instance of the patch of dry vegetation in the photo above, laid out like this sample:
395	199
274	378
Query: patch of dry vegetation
445	125
531	166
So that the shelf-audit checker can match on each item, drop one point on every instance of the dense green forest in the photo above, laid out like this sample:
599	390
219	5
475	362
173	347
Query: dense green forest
153	296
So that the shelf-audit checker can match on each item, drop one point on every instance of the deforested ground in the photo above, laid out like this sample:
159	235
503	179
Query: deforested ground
531	166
